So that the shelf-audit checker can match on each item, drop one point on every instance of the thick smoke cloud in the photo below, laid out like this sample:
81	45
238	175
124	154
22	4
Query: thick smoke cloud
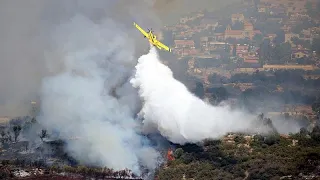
25	44
176	113
88	100
88	58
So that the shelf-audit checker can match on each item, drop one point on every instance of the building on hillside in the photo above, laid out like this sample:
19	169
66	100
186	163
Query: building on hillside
271	36
288	37
191	62
242	50
237	17
214	47
306	77
236	34
184	44
299	53
306	35
186	52
205	40
304	109
300	17
184	35
186	19
208	22
247	32
251	59
315	30
252	62
286	28
297	7
285	136
229	139
293	110
277	11
219	36
291	6
185	48
262	8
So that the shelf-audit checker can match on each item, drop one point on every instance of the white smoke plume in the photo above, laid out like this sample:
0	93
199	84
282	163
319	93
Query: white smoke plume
90	98
25	28
175	112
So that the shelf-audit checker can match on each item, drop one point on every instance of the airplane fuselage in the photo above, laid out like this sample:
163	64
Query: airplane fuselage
153	40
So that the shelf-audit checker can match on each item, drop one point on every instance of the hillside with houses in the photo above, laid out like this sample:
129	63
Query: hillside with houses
265	47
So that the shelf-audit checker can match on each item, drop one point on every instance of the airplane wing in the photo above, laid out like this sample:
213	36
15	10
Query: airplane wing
140	29
164	46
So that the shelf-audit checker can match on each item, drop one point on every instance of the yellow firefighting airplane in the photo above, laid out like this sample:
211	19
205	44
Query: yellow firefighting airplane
152	38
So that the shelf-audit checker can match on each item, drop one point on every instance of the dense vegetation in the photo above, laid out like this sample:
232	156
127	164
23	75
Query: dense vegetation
269	157
90	172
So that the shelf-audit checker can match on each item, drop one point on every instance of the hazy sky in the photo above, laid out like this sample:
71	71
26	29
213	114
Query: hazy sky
26	26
